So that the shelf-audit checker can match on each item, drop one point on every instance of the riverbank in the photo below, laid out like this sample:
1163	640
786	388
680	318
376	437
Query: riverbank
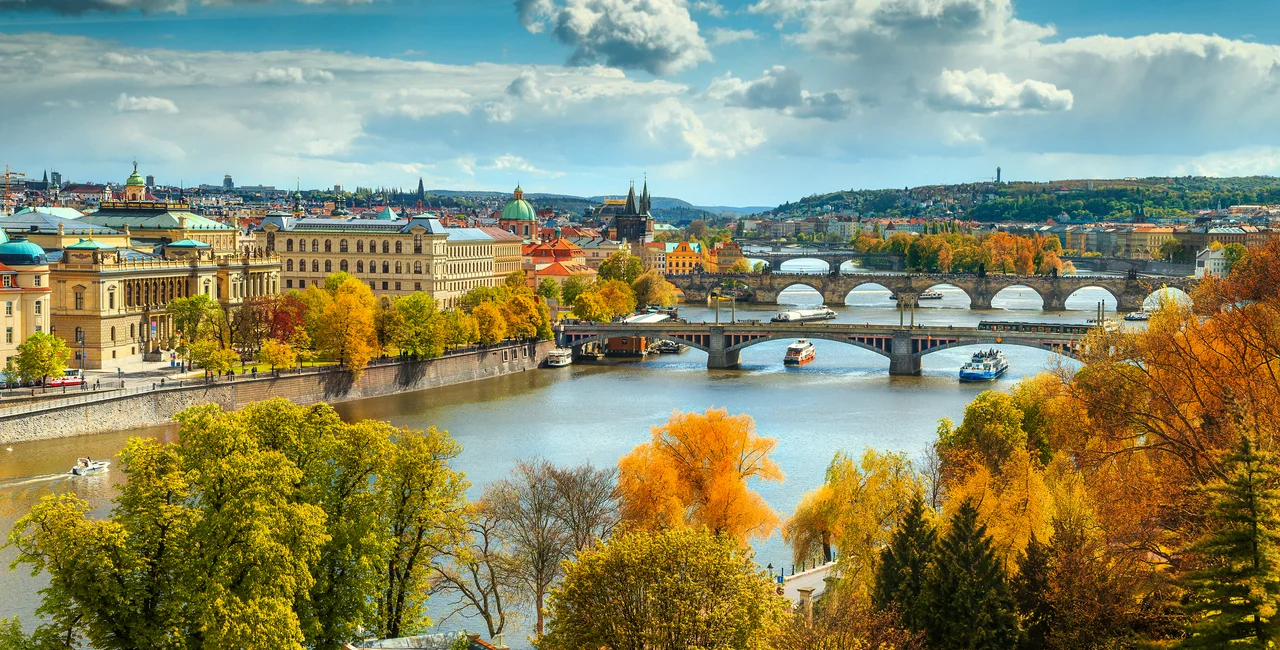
106	413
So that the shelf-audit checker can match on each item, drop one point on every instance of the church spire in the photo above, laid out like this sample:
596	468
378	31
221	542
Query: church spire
630	207
644	196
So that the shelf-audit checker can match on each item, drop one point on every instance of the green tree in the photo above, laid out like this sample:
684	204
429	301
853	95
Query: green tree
621	265
1236	592
1234	252
905	563
548	289
574	286
516	281
1032	591
42	355
971	607
991	428
193	316
651	288
421	334
667	589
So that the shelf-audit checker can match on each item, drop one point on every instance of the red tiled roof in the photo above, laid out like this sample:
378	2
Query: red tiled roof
498	233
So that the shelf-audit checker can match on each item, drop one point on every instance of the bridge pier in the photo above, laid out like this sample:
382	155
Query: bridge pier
901	360
979	300
1055	302
718	356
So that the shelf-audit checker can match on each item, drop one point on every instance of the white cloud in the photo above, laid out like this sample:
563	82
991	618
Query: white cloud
732	136
709	7
779	88
658	36
145	104
724	36
511	162
291	75
979	91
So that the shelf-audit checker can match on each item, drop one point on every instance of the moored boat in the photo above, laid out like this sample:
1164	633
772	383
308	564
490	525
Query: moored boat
669	347
799	353
559	358
88	465
804	315
984	366
1138	315
928	295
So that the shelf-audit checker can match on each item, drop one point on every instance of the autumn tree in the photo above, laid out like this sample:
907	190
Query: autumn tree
591	306
617	296
695	472
669	589
421	334
621	265
574	286
346	326
480	575
491	326
741	265
652	288
522	316
41	355
841	622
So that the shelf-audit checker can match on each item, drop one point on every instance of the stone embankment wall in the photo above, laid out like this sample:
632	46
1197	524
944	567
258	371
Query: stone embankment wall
159	406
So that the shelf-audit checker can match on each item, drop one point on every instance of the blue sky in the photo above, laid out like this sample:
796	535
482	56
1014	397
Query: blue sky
735	103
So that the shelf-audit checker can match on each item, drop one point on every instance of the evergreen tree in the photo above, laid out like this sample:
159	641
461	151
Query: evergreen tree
904	566
969	601
1236	592
1031	591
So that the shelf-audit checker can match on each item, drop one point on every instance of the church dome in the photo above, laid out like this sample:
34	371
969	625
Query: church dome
519	209
135	179
20	252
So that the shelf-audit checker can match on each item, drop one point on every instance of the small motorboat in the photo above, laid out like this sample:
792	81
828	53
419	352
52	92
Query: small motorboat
559	358
668	346
88	466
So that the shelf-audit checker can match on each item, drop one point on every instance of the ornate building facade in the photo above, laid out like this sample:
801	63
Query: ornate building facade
24	294
630	220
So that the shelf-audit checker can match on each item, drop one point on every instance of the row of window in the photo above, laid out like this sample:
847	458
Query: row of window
344	266
302	284
342	246
133	333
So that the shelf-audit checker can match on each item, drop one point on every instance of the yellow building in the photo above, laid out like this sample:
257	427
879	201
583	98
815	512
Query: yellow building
24	293
684	257
1142	242
722	257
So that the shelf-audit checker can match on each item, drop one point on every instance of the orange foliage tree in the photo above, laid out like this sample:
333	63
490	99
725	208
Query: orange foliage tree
694	472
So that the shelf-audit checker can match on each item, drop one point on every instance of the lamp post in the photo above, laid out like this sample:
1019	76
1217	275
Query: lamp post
80	336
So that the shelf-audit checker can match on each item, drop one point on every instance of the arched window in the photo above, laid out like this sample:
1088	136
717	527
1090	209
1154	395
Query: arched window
342	265
373	246
342	246
315	245
359	245
417	268
417	244
328	266
113	333
386	268
132	331
288	265
386	247
315	266
359	266
288	245
328	246
79	334
302	266
398	249
397	267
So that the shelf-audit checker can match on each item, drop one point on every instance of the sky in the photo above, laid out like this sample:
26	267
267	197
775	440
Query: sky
713	101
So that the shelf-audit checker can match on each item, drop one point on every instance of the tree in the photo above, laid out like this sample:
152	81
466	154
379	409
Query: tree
586	505
192	316
220	360
664	589
347	325
617	296
525	507
490	324
741	265
1171	250
1236	592
277	353
1032	591
480	574
905	563
522	317
421	334
970	600
991	429
591	306
840	622
651	288
516	281
1234	252
621	265
42	355
574	286
694	472
548	289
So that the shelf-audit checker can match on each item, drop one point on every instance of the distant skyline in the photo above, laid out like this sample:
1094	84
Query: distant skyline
720	103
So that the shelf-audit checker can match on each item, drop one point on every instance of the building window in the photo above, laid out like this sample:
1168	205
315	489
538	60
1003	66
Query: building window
359	266
417	286
342	246
288	245
398	249
373	246
79	300
132	333
288	284
37	305
302	284
79	335
342	266
386	267
113	334
397	286
384	286
373	285
8	308
37	282
328	266
288	265
315	266
398	267
386	247
8	335
417	268
315	245
8	281
328	246
359	245
417	244
111	299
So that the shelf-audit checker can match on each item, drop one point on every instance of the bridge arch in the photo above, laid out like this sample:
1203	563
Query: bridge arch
1077	302
801	258
1015	297
874	293
815	336
1176	294
947	286
814	286
990	341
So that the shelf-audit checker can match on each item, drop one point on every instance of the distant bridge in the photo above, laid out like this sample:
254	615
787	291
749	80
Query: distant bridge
836	256
1129	292
904	347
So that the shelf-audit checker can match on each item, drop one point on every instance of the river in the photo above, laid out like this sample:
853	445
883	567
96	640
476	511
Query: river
844	400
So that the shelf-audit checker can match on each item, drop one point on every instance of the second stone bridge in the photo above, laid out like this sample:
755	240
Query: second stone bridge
1129	292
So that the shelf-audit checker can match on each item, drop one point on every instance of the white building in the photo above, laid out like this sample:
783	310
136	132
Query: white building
1211	262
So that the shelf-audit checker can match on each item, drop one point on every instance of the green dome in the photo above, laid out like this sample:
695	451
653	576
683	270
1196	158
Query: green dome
20	252
89	244
519	209
135	179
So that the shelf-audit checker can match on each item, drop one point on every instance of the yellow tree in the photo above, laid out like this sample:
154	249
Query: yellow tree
589	305
277	353
522	316
347	324
651	288
695	472
491	326
618	296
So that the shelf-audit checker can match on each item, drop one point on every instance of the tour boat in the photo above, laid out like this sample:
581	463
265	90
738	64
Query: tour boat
88	465
1138	315
799	353
559	358
669	347
984	366
928	295
804	315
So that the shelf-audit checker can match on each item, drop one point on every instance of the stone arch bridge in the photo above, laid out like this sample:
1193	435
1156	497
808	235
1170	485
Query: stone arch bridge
1130	292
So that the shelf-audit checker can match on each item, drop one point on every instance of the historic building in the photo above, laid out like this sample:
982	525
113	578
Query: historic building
683	258
629	220
24	293
395	256
48	230
558	259
147	221
519	217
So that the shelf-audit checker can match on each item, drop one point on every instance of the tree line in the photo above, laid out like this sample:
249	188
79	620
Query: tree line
953	251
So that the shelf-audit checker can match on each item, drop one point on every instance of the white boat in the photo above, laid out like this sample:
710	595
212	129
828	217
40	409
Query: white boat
804	315
928	295
88	465
799	353
984	366
559	358
1138	316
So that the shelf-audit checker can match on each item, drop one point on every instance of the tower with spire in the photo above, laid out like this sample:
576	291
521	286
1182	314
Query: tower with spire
633	223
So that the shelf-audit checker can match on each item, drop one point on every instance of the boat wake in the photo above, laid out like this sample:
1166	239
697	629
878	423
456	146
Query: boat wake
31	480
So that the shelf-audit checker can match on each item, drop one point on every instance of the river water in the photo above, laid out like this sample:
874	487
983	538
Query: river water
844	400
